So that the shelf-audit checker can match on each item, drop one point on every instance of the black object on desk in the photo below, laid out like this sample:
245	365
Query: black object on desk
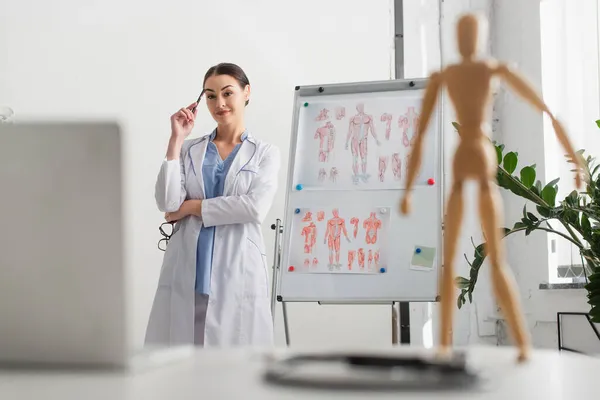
350	371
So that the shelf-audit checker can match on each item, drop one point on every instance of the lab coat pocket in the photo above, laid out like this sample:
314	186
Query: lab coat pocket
244	178
255	271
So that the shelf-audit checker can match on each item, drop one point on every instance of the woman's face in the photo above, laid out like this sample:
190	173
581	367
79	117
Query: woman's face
225	98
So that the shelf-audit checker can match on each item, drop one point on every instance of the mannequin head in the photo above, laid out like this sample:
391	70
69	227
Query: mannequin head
470	30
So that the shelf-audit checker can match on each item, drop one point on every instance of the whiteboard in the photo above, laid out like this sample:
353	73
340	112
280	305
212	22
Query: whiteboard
344	239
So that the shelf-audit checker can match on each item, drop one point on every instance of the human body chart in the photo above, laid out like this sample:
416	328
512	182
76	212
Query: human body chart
353	162
339	242
340	239
359	128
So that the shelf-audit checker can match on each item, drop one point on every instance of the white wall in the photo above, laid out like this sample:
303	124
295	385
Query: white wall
140	61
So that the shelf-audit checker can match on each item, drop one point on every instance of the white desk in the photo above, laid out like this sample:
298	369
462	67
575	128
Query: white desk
234	375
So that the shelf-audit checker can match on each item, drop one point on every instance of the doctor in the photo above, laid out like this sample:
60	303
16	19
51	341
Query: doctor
213	288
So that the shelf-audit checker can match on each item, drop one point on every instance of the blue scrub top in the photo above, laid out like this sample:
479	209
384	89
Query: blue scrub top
214	171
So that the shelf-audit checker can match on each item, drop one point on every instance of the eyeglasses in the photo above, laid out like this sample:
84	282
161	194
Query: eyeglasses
166	230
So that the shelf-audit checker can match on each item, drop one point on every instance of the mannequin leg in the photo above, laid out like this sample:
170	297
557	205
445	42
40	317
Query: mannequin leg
453	221
503	281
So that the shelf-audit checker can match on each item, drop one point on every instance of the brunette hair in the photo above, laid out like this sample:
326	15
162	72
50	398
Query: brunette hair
228	69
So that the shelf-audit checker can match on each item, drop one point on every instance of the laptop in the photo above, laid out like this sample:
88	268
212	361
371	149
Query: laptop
64	298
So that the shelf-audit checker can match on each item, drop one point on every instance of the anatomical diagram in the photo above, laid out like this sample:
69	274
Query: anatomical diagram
347	249
351	256
340	113
354	221
333	174
383	162
320	216
322	174
308	264
326	136
397	166
387	118
309	232
371	226
360	126
406	122
323	115
361	258
336	226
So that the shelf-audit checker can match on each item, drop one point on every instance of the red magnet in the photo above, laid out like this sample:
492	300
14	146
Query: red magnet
291	269
430	181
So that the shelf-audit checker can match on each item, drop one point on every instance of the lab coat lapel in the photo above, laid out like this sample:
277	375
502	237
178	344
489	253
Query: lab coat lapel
241	160
196	156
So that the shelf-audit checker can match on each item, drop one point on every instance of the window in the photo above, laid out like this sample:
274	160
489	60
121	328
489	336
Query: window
570	53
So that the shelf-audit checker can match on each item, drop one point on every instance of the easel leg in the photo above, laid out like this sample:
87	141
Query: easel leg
285	323
502	279
394	325
404	322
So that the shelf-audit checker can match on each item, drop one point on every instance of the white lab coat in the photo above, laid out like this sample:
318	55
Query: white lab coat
239	304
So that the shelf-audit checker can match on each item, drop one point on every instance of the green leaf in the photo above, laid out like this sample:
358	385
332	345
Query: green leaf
459	300
572	198
528	176
585	224
549	195
525	214
552	182
544	211
461	283
598	122
499	154
519	225
593	285
532	217
510	162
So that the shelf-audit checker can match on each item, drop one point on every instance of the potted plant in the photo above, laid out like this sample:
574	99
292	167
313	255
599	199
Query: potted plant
578	213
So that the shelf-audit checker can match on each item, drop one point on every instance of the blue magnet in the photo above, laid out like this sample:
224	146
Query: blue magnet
418	250
297	211
382	270
298	187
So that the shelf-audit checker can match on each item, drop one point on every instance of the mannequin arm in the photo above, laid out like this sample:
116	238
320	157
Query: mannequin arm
431	95
521	87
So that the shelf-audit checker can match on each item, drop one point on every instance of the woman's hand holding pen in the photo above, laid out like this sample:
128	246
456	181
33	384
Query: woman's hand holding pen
182	123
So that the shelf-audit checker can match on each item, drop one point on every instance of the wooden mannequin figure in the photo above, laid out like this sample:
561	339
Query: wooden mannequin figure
469	84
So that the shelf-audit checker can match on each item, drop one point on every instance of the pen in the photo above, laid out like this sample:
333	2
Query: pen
198	101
